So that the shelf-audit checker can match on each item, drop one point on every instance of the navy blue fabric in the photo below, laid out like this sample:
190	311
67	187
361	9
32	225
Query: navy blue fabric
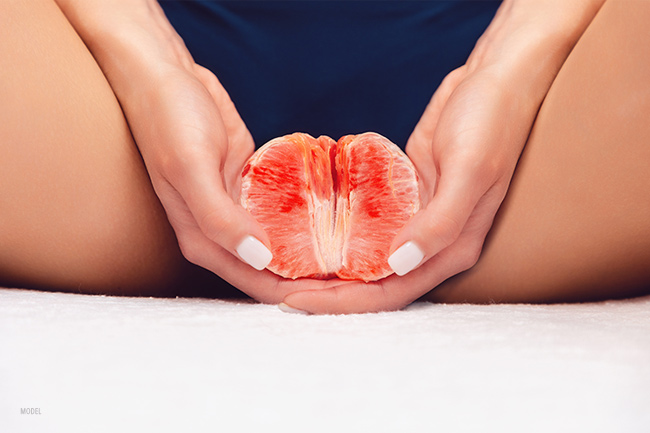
330	67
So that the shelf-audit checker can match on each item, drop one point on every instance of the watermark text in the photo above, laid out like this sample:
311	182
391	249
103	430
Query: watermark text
30	410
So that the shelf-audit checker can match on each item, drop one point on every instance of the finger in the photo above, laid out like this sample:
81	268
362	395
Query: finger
263	286
348	299
440	223
389	294
188	172
197	185
201	251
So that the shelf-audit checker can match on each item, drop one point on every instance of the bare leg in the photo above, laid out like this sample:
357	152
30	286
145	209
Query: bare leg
576	222
77	211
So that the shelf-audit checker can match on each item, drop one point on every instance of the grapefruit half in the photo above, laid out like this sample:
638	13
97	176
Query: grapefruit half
330	209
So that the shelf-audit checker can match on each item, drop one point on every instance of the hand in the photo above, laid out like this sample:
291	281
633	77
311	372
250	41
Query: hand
195	145
191	138
465	148
465	154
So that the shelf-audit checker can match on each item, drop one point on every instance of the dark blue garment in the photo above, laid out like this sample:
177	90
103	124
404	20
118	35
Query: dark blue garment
330	67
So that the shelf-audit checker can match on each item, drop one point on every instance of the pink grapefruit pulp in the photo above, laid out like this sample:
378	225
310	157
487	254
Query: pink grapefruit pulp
330	208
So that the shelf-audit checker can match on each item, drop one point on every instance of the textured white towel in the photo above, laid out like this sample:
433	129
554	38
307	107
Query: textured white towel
96	363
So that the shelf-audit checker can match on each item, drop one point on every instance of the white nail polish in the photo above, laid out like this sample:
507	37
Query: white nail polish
405	258
287	309
254	253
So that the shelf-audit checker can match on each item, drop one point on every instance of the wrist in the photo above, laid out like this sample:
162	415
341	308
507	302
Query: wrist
528	41
131	40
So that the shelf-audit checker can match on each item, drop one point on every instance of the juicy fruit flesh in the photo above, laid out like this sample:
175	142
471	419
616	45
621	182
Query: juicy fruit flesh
330	208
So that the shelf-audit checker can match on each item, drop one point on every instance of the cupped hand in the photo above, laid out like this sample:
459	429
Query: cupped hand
191	138
195	145
465	148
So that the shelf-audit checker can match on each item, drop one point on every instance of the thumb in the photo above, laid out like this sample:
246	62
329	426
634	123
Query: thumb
435	227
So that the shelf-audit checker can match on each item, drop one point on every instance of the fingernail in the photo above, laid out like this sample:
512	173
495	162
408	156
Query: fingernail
405	258
254	253
287	309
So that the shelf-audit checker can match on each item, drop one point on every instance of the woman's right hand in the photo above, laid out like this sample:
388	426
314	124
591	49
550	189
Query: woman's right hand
191	138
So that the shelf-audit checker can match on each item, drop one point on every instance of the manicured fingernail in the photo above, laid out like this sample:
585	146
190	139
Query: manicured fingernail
254	253
287	309
405	258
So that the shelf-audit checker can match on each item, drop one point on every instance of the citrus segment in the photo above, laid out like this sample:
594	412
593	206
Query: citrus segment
330	209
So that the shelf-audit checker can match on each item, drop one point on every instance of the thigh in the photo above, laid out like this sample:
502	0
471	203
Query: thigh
575	224
77	211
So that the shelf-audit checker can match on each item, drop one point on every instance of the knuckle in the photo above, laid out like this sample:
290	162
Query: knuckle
189	251
170	166
452	77
206	74
490	168
445	228
471	256
247	142
216	225
408	149
178	162
416	145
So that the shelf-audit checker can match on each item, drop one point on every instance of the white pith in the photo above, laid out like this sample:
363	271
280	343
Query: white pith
329	219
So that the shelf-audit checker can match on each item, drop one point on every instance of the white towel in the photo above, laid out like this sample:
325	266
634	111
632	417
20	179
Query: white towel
82	363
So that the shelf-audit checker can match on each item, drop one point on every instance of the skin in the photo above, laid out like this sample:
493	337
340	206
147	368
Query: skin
574	225
135	227
143	213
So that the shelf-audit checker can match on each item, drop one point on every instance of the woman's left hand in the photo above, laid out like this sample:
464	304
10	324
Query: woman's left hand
465	148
